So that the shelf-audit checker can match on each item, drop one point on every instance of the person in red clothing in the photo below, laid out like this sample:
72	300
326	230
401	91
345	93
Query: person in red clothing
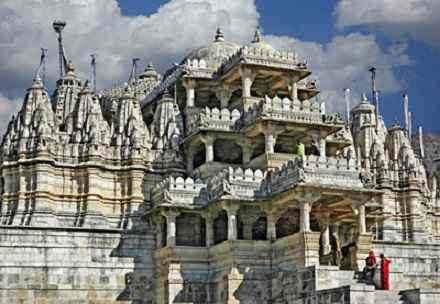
370	267
385	272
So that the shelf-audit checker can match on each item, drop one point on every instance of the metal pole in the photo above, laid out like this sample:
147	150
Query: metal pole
347	103
93	63
58	26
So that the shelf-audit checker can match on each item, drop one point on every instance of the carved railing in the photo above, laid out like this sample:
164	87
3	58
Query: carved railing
178	191
198	68
263	57
237	183
337	172
213	119
287	110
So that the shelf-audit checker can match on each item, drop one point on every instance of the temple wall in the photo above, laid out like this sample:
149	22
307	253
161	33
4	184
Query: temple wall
73	266
413	265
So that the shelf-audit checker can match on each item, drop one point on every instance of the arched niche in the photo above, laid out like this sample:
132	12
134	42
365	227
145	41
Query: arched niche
227	151
199	157
190	230
259	229
288	223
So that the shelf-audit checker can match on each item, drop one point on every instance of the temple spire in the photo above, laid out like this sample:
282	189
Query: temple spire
219	35
257	36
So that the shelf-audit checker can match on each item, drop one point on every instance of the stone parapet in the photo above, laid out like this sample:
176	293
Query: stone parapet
212	120
179	191
237	183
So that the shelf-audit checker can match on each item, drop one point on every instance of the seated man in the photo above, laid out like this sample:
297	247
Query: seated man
370	267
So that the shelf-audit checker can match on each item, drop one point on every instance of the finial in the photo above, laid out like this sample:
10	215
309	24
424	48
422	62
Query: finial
219	36
70	67
364	97
257	36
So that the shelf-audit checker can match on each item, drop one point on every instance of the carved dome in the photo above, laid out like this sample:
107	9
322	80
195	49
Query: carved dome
216	53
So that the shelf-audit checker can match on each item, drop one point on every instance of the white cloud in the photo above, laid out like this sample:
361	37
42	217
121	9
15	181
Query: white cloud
98	26
165	37
8	107
419	19
344	62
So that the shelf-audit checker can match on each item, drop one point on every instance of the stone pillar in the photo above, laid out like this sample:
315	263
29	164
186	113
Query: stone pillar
224	94
294	93
190	161
232	222
322	147
271	227
247	154
209	222
190	86
270	140
324	223
249	218
247	79
362	224
209	149
170	217
304	216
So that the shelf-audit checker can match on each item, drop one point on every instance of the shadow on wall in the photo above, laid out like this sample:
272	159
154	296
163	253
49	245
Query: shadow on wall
137	243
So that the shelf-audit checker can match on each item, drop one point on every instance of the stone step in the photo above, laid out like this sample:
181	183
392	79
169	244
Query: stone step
387	297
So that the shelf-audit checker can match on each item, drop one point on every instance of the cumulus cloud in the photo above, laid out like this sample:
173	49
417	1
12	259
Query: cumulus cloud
418	19
8	107
98	26
344	62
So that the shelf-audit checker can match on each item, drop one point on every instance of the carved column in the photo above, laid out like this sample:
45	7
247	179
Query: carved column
224	94
209	222
232	221
270	138
190	86
324	221
170	217
362	224
189	160
292	86
247	153
322	147
248	218
158	230
247	78
271	226
209	149
304	216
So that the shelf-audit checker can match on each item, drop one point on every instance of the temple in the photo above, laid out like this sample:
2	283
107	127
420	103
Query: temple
223	181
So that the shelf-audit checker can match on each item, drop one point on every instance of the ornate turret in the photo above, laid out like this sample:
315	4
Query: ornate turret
167	128
66	95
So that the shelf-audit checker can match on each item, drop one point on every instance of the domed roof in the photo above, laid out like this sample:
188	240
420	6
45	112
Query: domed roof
216	53
259	43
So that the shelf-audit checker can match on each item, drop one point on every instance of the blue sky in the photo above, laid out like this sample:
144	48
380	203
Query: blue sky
340	39
316	22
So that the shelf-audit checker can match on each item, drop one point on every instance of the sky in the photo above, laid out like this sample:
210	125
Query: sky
340	39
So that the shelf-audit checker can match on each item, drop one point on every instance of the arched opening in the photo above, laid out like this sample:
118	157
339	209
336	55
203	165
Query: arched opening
190	230
285	144
221	227
288	223
226	151
199	157
259	229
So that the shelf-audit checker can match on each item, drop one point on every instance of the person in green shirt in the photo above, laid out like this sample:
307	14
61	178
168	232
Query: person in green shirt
301	149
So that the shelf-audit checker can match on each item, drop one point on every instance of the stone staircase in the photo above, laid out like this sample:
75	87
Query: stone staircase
387	297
